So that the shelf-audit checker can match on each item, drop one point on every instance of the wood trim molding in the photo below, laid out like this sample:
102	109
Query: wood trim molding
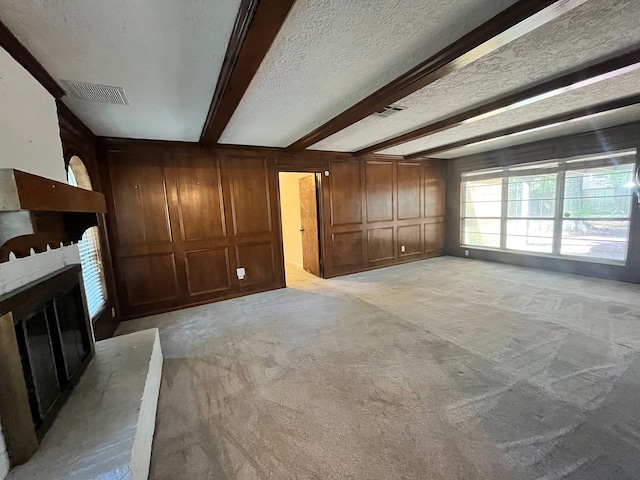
591	112
521	18
12	45
565	83
257	24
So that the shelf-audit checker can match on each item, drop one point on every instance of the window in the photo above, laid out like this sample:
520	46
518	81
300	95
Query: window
578	207
89	246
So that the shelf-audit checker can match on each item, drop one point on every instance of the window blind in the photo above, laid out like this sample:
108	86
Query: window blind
91	262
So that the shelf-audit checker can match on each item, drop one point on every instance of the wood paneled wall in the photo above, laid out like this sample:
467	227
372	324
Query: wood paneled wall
183	219
374	206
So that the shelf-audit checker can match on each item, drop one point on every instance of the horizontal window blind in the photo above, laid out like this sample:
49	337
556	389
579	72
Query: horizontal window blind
91	262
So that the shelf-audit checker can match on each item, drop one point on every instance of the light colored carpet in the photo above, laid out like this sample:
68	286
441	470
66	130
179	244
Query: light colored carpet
439	369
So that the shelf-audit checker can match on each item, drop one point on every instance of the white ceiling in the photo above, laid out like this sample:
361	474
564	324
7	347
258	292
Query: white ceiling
330	54
619	87
580	125
583	36
166	54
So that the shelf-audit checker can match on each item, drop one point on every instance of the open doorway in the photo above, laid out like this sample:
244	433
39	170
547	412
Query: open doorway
299	210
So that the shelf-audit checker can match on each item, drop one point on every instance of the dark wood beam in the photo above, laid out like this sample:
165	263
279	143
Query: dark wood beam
514	22
257	24
20	54
587	76
592	112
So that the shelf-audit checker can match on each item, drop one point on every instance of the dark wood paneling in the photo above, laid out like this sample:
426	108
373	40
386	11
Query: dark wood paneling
258	260
150	279
346	193
200	197
434	190
250	201
208	271
140	199
434	237
519	19
562	84
418	191
380	244
379	191
346	249
610	139
256	27
409	236
409	192
216	209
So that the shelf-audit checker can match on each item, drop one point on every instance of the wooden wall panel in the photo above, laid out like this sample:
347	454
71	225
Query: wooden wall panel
410	237
258	261
208	271
200	201
140	200
216	209
379	191
380	245
346	249
346	194
396	198
250	201
434	186
150	279
409	192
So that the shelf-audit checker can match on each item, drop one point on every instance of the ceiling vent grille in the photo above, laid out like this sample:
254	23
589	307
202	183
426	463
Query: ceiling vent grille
97	93
389	110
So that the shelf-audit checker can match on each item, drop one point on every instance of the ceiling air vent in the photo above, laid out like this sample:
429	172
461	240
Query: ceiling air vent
389	110
96	93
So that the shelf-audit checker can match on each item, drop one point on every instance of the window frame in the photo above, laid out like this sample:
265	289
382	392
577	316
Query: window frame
78	176
560	167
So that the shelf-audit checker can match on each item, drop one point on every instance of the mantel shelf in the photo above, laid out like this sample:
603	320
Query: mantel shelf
36	213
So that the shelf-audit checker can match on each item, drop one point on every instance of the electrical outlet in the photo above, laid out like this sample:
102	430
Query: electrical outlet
241	273
402	249
113	312
326	173
466	253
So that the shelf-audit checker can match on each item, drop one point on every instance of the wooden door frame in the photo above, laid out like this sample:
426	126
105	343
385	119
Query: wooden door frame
320	210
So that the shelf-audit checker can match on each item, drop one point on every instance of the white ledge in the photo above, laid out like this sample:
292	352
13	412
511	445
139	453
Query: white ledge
105	429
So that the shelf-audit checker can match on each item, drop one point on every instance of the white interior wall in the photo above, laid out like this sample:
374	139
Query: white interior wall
290	213
29	141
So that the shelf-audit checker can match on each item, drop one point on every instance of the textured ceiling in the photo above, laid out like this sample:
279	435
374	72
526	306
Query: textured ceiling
330	54
581	125
582	36
166	54
619	87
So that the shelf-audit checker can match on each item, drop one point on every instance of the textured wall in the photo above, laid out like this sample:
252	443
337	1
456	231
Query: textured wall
30	141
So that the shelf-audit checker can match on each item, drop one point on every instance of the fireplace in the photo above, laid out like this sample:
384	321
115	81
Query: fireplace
45	346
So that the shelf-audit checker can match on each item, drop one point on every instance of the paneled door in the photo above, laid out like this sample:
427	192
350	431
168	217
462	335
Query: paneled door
309	225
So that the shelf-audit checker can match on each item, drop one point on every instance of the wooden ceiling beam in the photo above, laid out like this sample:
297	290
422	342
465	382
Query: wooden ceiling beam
20	54
582	78
592	112
257	24
521	18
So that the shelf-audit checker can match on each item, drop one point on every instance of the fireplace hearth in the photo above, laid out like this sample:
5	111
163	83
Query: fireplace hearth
45	346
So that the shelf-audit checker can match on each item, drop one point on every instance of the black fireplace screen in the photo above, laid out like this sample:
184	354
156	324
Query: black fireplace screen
55	347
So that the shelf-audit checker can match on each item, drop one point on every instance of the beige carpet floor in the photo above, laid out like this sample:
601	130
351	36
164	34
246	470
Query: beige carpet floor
440	369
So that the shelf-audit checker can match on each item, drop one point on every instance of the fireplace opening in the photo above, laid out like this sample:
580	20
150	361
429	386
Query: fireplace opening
53	346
